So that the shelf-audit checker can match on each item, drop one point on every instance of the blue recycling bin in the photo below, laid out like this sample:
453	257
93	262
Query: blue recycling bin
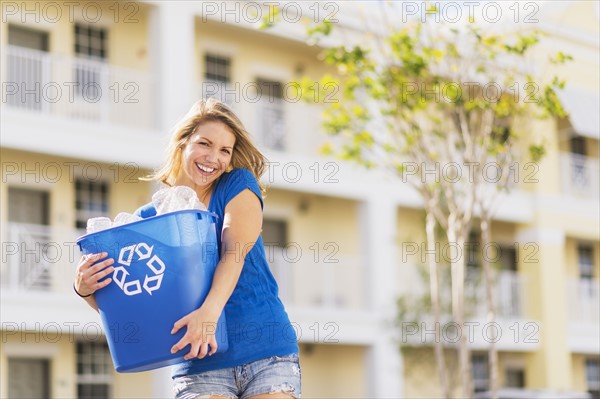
164	267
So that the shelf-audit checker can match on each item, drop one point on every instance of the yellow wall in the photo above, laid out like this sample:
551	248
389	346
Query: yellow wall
421	375
60	349
326	231
256	54
133	385
333	371
579	376
121	19
57	176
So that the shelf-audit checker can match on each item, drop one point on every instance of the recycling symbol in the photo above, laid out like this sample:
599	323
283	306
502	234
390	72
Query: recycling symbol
140	251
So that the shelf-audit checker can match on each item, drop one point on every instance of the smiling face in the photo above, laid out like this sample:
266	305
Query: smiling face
205	157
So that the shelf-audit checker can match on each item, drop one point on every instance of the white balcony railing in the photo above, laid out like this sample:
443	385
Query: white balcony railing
507	291
43	258
584	300
38	258
77	88
324	280
580	175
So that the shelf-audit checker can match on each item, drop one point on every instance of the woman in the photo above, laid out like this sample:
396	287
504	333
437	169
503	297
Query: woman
211	152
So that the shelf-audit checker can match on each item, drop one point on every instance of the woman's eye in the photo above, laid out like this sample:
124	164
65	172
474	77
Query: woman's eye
203	143
227	151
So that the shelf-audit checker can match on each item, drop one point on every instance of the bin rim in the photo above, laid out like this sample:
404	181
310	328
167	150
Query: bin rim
213	215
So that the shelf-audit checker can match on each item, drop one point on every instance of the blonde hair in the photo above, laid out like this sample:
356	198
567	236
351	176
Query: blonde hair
245	153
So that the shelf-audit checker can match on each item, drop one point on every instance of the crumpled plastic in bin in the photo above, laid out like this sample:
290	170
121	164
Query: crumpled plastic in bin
166	200
176	198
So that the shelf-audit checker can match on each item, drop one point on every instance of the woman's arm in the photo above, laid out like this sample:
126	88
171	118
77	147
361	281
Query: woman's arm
242	225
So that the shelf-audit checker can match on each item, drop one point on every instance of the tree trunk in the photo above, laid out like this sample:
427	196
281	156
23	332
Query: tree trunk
491	312
435	302
457	262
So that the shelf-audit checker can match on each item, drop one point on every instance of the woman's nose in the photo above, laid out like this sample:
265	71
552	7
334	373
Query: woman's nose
211	156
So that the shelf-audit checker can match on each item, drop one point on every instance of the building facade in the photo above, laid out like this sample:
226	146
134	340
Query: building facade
90	91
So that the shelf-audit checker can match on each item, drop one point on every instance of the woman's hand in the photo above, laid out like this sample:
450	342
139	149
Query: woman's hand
201	328
89	274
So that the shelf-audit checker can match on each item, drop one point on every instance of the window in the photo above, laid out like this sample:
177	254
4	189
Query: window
91	200
90	44
28	214
578	146
586	262
94	370
275	233
515	378
28	206
275	238
481	374
579	172
472	249
271	114
508	258
217	69
28	378
27	66
217	78
592	374
270	91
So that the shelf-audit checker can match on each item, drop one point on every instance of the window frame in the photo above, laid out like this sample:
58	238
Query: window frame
100	367
83	214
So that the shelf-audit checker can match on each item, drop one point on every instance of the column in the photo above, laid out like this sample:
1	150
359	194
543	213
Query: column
173	55
541	259
378	233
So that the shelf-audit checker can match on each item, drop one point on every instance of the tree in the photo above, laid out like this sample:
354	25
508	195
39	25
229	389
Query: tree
438	105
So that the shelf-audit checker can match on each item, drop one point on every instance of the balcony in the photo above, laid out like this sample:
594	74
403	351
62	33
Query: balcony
507	291
38	258
584	301
584	314
77	88
580	176
317	280
43	259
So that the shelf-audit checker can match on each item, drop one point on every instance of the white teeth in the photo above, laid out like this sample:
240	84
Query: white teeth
205	168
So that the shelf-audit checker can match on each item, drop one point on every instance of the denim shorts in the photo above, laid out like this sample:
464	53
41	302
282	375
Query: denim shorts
277	374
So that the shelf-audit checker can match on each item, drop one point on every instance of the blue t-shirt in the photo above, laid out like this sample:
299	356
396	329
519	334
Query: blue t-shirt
257	323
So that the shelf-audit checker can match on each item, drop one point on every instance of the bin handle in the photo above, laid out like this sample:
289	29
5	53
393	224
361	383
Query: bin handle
203	214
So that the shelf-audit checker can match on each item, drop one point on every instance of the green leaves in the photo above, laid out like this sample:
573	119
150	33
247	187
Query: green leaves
404	94
522	44
561	58
536	152
322	29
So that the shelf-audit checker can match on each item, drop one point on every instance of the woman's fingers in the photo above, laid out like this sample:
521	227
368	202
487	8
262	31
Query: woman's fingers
213	346
88	260
91	270
182	343
180	323
193	351
100	266
199	347
203	350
